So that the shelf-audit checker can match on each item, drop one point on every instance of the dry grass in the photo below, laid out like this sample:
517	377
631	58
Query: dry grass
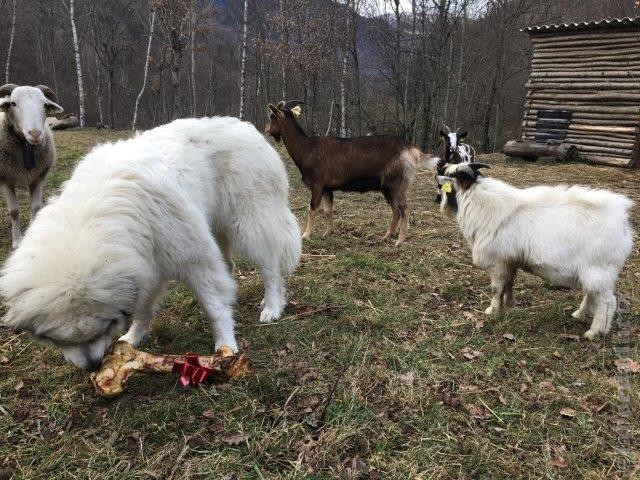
364	378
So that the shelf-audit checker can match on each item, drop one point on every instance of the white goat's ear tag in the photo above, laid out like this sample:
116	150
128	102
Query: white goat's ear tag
446	188
296	111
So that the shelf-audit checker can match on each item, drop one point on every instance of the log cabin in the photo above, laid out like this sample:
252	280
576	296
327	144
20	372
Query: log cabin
583	95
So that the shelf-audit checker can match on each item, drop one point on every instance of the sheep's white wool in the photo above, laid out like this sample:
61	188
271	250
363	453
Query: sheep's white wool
571	236
170	203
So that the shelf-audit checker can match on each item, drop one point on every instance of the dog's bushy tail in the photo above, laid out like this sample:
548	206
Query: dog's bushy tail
290	244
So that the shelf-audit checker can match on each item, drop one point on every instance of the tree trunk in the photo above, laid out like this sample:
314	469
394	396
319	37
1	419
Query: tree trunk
243	66
76	49
99	92
192	71
13	34
343	98
134	123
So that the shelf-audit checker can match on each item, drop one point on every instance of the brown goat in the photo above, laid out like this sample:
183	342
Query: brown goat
362	164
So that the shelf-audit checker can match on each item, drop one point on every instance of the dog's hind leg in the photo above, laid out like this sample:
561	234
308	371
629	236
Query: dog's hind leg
274	294
209	278
270	240
144	312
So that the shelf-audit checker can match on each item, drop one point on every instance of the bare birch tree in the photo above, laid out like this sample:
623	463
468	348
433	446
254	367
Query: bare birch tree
192	35
76	49
243	66
152	22
11	39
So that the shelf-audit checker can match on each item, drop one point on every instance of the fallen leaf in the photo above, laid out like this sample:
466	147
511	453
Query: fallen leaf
476	411
4	360
198	442
450	399
524	387
469	353
568	412
471	388
565	336
478	322
509	336
19	384
233	439
406	378
559	462
209	414
502	399
627	365
548	386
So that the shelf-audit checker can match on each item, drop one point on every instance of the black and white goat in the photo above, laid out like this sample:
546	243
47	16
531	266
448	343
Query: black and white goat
453	151
571	236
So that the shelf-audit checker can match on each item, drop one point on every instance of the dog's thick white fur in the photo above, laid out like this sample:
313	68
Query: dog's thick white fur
571	236
171	203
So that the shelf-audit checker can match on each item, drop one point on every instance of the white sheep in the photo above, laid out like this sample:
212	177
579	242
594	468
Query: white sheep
169	204
27	151
571	236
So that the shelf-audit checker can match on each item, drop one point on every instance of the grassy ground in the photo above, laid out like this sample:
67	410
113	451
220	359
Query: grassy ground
382	367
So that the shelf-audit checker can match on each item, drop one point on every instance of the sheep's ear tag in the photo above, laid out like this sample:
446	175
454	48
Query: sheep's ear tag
296	111
446	188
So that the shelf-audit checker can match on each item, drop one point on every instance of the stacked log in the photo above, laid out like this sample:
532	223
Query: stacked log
531	151
594	74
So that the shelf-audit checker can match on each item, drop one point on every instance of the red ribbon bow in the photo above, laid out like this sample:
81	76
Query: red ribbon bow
191	372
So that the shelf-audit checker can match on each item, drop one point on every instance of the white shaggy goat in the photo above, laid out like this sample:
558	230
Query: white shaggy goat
571	236
171	203
27	152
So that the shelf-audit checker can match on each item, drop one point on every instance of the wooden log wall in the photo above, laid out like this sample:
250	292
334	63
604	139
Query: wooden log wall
595	75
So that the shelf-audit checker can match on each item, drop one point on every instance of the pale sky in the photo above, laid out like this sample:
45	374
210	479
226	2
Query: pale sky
405	5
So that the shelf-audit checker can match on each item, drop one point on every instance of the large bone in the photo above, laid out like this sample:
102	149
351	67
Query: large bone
121	361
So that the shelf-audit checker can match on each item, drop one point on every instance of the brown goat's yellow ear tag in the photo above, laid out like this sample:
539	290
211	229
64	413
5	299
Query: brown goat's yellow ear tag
296	111
446	188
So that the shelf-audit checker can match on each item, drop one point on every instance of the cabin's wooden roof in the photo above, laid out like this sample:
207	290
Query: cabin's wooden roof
607	23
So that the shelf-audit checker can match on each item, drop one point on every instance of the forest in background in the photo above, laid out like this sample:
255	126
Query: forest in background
362	66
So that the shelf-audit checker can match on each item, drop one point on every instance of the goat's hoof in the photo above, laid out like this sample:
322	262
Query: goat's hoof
327	233
400	242
306	236
386	238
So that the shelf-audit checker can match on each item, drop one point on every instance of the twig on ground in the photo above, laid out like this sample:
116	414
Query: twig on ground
299	316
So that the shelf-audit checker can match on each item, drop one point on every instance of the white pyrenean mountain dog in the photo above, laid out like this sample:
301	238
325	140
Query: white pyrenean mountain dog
169	204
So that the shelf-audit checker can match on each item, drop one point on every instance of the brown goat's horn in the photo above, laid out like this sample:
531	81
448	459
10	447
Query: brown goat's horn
50	94
291	104
5	90
280	105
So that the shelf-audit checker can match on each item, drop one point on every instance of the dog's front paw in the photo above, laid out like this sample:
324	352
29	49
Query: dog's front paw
592	334
131	339
492	311
228	342
269	314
